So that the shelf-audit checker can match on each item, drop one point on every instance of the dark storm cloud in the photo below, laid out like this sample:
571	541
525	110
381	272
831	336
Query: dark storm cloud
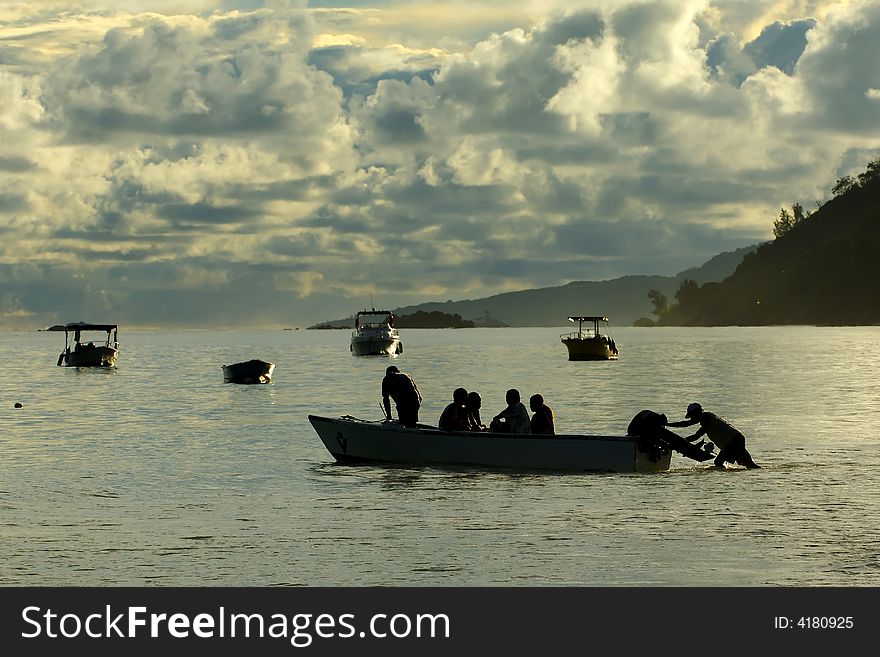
284	190
127	194
780	45
12	202
305	244
575	26
398	124
556	152
555	196
155	294
653	240
107	258
188	214
676	191
16	164
326	218
632	128
452	200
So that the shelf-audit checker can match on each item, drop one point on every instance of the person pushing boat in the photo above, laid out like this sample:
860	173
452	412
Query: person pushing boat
651	427
730	441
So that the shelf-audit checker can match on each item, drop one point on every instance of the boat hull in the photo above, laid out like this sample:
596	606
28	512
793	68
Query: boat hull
376	346
252	371
90	357
589	349
350	440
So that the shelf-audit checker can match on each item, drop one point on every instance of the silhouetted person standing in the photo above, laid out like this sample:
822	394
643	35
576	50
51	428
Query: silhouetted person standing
405	393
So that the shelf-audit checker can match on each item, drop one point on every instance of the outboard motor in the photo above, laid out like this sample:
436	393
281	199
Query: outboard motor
653	435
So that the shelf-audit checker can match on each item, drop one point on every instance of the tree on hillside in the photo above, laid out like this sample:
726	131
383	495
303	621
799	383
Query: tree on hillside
783	224
843	185
661	303
871	173
848	183
788	220
687	292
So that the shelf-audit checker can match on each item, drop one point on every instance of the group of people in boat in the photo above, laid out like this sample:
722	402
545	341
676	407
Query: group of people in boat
463	413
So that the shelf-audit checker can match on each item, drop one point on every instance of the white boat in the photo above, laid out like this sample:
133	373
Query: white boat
374	334
351	440
590	343
251	371
79	352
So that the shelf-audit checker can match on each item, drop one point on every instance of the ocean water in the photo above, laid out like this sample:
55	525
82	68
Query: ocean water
159	473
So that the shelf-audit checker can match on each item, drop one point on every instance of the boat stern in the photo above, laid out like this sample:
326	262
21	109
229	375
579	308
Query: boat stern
588	349
653	459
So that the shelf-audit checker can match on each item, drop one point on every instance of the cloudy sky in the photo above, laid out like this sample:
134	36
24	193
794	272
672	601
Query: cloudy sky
272	163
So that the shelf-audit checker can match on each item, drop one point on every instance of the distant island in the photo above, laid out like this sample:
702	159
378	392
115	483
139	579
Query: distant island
335	324
433	319
421	319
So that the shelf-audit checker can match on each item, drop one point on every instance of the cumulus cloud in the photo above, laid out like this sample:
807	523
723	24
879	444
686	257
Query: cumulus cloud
190	164
838	71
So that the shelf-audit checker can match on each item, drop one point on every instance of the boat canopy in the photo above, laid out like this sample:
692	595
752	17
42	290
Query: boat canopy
83	326
371	317
588	319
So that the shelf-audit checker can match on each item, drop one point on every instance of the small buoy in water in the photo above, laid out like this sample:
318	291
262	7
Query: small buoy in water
17	404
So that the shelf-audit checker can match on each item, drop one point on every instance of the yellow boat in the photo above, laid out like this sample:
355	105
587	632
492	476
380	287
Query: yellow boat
78	353
590	343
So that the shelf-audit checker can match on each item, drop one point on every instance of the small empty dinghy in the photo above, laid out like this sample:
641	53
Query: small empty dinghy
251	371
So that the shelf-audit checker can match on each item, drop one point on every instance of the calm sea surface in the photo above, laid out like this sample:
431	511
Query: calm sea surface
159	473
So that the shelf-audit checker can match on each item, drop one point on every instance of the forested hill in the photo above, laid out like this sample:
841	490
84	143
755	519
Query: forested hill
822	269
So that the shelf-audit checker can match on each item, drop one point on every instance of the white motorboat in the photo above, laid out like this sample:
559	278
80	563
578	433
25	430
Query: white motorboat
350	440
374	334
